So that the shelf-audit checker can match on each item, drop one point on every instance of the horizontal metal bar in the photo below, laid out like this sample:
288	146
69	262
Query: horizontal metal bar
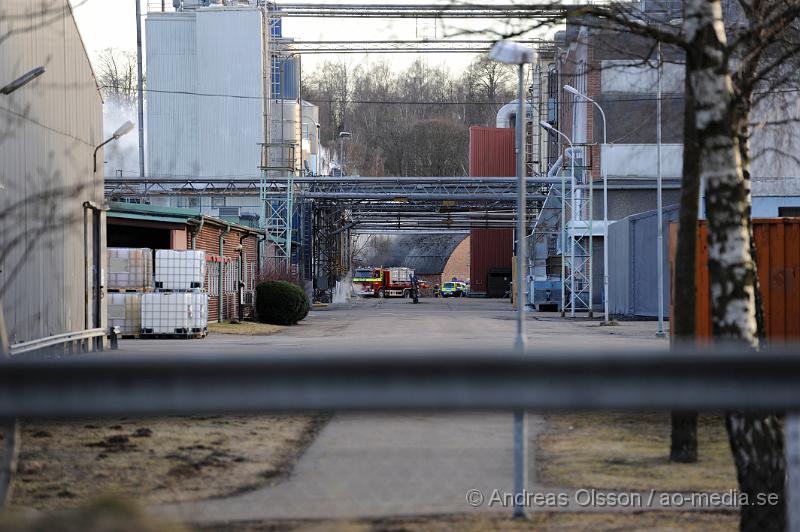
255	181
504	11
161	383
505	197
56	339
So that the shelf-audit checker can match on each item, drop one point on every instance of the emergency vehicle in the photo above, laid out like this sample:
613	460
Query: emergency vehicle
383	282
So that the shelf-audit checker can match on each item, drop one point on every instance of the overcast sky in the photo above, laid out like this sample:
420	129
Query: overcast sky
112	24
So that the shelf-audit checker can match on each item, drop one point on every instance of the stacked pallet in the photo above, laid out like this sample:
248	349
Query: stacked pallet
179	305
171	304
130	276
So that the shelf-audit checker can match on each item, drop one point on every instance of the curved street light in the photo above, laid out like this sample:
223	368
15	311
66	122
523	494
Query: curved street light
514	53
124	129
555	131
22	80
579	94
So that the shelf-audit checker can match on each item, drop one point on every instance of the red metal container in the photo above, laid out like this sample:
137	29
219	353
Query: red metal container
490	260
491	152
778	259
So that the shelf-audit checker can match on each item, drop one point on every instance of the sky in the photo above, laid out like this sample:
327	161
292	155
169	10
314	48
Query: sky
112	24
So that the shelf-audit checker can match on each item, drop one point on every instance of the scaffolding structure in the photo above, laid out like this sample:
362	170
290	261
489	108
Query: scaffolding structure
577	215
280	149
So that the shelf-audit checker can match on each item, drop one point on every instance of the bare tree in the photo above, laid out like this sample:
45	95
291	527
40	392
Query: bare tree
720	76
116	76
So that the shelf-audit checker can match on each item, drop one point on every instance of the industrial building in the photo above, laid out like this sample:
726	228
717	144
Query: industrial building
233	252
52	222
625	83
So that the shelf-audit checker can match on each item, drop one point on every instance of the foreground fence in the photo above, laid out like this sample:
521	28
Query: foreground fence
712	379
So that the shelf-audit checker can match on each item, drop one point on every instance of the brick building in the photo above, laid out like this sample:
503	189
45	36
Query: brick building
233	251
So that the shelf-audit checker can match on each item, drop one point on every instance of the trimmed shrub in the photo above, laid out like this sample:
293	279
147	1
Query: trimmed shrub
280	303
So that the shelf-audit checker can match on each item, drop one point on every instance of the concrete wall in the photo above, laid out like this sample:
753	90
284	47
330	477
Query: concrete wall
641	160
205	53
48	132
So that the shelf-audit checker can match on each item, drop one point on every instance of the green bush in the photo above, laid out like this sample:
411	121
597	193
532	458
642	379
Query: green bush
280	303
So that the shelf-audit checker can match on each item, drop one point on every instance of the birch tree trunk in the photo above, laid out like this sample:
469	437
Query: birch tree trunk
756	438
757	448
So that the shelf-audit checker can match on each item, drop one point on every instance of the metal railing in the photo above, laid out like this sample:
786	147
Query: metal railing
727	378
56	340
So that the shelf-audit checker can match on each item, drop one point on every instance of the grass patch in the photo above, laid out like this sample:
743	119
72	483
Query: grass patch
619	451
546	522
65	464
246	328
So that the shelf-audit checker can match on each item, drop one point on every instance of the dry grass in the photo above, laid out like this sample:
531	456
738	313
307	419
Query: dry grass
620	451
63	464
110	514
246	328
544	522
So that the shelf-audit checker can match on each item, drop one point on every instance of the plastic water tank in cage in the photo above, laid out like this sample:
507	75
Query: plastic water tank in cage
180	270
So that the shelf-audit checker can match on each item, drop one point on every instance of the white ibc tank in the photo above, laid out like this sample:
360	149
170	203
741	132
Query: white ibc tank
125	311
174	312
180	270
130	268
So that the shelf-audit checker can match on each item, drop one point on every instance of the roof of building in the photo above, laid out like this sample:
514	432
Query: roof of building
157	213
425	254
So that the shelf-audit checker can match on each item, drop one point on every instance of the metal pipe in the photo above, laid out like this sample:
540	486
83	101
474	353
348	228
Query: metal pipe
221	313
660	207
521	339
690	377
197	230
241	281
139	87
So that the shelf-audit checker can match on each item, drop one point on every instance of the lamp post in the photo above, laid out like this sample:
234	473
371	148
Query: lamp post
514	53
579	94
124	129
22	80
318	166
343	135
555	131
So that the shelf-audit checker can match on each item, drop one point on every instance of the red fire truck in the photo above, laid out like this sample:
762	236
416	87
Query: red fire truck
383	282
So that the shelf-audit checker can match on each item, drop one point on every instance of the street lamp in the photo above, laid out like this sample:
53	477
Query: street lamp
124	129
555	131
343	135
514	53
576	92
22	80
318	166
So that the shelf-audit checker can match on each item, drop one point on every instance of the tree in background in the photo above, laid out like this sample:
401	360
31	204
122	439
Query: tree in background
409	122
726	59
116	76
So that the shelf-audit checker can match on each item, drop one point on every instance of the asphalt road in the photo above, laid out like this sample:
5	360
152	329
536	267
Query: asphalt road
378	325
402	463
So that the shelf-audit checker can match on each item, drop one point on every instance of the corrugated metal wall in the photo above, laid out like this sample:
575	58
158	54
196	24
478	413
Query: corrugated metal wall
633	265
778	258
48	132
204	53
491	154
489	249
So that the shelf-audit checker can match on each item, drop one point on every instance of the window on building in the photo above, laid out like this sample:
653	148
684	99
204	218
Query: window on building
788	212
218	201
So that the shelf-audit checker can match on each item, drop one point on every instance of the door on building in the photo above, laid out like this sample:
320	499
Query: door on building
498	283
